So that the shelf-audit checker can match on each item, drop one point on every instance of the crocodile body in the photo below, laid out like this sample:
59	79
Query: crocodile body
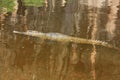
64	38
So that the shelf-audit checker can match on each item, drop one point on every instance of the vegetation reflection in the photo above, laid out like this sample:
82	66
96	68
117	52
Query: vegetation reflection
6	5
37	3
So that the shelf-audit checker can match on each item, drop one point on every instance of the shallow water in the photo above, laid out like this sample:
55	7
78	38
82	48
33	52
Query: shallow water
30	58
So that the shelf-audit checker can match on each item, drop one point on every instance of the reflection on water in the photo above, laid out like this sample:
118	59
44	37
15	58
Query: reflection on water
30	58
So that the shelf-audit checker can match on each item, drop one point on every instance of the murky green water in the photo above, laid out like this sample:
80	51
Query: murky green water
30	58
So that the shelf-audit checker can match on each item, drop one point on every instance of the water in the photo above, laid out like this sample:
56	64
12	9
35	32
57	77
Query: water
30	58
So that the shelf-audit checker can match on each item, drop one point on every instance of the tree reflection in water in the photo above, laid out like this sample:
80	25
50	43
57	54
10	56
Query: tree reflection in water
29	58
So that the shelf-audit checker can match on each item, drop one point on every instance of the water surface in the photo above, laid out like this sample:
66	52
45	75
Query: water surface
30	58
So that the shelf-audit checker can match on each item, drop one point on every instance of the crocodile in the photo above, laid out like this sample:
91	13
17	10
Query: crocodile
65	38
